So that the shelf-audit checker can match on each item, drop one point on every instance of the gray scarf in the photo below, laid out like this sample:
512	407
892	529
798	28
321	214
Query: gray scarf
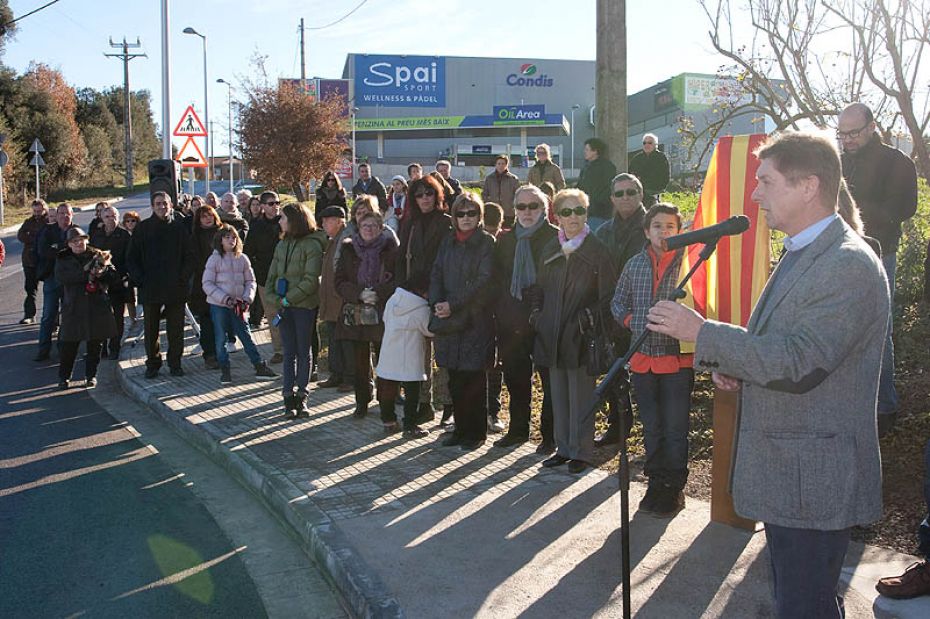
524	267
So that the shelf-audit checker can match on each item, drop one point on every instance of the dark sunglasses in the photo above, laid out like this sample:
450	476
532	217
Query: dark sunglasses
533	206
471	213
626	192
568	212
648	142
425	192
274	202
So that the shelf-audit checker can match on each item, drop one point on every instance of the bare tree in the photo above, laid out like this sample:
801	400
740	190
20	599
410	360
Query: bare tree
799	64
892	38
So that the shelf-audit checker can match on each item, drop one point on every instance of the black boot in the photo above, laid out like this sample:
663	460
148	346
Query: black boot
301	405
290	406
362	398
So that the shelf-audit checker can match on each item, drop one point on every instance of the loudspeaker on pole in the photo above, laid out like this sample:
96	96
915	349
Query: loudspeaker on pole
165	175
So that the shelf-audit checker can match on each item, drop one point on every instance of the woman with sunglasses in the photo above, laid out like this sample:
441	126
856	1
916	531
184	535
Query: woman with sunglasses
460	294
330	193
422	230
130	221
577	280
516	265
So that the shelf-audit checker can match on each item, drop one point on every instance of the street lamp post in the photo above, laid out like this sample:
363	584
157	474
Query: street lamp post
574	107
229	109
206	109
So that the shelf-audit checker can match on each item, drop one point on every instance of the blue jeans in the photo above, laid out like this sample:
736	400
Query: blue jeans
806	568
51	300
887	395
297	324
664	403
225	320
923	533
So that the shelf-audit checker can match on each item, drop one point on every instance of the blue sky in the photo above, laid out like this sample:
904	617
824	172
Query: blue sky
73	35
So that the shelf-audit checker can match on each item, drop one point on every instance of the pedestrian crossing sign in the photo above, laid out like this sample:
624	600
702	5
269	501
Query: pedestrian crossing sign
190	125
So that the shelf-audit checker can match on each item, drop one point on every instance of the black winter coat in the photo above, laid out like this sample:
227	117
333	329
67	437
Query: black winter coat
323	200
595	181
259	247
84	315
160	260
420	237
51	240
513	314
883	180
28	235
375	188
463	276
202	243
652	171
348	288
117	243
586	279
237	222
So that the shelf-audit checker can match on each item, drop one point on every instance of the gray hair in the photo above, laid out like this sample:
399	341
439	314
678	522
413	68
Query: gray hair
243	193
654	137
537	193
626	176
443	162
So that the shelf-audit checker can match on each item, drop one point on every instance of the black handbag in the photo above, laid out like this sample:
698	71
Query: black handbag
599	348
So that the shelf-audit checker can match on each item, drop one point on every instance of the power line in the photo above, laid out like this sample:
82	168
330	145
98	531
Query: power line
341	19
44	6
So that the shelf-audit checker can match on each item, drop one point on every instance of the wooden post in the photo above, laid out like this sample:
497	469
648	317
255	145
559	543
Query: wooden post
726	425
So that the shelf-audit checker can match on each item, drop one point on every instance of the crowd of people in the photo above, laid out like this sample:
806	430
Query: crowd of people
431	297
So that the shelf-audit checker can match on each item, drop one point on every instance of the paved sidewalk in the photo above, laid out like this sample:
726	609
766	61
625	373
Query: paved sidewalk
410	528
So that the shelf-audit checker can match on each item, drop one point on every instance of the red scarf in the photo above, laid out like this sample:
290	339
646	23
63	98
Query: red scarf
462	236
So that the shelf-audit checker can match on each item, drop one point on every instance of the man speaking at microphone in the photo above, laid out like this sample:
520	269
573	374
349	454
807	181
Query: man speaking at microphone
807	366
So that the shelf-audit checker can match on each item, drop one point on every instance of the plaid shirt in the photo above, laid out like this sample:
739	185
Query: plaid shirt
634	296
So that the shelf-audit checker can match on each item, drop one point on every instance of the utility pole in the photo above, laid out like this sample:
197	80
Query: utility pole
610	81
303	59
125	56
165	81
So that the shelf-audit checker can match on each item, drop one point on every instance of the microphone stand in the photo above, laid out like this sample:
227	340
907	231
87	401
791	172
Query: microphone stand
616	386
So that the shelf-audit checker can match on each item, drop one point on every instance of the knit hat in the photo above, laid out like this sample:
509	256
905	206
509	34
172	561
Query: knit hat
398	177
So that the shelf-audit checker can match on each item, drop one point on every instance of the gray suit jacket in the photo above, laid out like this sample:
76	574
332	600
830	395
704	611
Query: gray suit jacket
807	448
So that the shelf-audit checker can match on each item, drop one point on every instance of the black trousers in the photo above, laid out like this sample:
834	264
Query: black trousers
31	286
256	312
469	390
119	308
516	350
388	390
362	377
174	325
69	352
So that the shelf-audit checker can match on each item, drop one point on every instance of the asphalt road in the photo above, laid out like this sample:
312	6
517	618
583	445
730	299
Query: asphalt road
93	519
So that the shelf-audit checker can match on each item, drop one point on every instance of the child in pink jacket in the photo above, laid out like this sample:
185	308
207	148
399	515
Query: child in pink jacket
229	283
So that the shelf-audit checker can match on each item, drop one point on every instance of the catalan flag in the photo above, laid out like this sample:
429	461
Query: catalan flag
727	286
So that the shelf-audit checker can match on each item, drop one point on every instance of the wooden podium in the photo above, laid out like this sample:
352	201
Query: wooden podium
726	425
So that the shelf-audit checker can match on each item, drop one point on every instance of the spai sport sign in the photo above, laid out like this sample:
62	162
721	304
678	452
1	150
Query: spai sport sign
400	81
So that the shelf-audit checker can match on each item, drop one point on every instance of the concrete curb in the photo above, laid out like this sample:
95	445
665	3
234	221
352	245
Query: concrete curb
79	209
361	588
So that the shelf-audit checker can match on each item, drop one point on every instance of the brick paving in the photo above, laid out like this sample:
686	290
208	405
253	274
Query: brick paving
348	467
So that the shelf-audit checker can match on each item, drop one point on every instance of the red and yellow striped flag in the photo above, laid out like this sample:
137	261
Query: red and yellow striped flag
727	286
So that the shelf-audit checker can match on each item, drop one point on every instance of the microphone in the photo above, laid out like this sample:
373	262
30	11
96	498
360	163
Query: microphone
734	225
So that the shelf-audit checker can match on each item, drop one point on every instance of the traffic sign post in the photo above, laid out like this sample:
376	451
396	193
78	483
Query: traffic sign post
37	149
